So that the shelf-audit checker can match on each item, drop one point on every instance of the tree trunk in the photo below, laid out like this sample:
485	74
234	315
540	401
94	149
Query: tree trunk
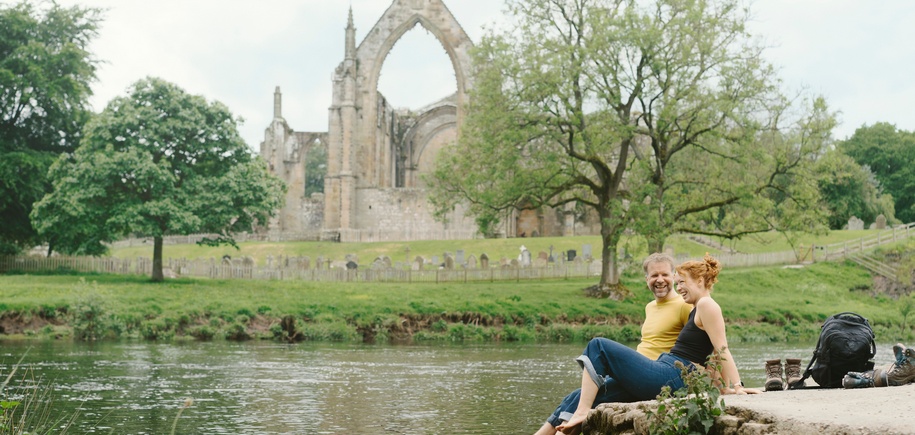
157	260
609	276
656	243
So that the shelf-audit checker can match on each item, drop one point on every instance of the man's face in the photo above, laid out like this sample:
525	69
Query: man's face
660	277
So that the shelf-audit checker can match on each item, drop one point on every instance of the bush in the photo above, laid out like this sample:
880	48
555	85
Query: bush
689	410
237	332
202	333
89	318
157	330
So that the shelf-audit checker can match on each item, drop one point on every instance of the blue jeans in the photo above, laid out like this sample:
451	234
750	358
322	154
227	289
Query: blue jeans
621	375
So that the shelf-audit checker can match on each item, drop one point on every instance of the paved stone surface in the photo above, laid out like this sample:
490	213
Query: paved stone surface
836	411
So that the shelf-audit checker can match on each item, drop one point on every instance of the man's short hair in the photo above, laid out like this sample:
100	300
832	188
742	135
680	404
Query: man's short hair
658	257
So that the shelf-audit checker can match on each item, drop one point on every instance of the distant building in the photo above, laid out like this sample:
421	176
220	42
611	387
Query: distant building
376	154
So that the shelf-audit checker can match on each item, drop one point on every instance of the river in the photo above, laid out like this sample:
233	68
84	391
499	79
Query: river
316	388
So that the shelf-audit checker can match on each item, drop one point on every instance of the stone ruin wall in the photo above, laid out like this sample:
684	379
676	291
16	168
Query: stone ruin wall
377	155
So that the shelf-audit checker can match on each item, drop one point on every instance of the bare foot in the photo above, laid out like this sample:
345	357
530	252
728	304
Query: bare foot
573	426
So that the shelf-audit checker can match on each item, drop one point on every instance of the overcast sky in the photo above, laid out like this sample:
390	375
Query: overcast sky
859	54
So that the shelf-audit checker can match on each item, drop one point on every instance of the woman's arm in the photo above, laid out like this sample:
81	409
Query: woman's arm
709	318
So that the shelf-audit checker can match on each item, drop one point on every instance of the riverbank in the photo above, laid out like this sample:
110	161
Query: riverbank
831	412
761	304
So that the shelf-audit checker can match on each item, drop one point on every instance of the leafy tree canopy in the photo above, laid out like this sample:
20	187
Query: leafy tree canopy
890	154
849	189
45	72
157	162
660	116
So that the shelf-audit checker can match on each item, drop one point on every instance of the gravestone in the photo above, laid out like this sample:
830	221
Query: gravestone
504	262
855	224
435	260
319	262
306	262
543	255
418	263
351	265
880	224
540	262
386	261
351	257
471	262
269	261
459	256
586	251
514	264
484	261
570	255
525	258
449	262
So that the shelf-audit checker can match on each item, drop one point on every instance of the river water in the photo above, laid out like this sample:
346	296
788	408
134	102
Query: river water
317	388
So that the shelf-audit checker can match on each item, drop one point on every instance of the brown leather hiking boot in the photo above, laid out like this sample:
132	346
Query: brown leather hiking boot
792	370
774	380
901	372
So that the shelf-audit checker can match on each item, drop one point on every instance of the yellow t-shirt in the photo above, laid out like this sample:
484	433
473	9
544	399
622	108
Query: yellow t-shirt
663	322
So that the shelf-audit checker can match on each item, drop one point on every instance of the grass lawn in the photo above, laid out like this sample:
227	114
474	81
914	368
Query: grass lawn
761	304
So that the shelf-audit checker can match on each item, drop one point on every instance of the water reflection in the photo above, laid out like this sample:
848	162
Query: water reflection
256	387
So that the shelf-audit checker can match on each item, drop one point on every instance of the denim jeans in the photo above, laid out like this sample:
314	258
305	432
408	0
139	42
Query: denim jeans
622	375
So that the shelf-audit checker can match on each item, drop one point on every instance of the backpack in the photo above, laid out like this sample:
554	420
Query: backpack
846	344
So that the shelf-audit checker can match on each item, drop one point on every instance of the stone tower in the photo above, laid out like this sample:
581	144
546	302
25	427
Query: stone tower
375	152
377	155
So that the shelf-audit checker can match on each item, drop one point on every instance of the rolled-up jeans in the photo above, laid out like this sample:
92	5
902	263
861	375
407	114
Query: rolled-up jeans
621	375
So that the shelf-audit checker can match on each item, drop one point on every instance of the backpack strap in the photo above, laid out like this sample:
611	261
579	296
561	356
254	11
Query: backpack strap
800	384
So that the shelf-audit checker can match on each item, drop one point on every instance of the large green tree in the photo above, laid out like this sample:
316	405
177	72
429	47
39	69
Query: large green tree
849	189
890	154
45	72
731	173
155	163
650	113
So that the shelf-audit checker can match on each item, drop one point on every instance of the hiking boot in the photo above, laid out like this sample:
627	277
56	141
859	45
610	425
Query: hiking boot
792	371
900	372
774	380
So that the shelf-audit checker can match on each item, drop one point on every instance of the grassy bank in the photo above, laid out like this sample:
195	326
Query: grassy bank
761	304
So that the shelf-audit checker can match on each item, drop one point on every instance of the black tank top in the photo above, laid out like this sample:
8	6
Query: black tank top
692	343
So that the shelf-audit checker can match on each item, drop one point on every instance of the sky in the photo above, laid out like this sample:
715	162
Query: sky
858	54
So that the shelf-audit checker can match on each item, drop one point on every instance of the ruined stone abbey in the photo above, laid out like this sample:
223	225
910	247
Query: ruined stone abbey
376	155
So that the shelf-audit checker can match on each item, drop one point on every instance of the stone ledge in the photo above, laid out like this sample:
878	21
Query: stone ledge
831	412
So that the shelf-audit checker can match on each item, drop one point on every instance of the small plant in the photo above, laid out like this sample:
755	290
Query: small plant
90	320
25	408
689	410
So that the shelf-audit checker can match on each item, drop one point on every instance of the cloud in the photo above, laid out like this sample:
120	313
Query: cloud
855	53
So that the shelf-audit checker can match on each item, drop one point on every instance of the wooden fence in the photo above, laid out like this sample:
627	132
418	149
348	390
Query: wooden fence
218	270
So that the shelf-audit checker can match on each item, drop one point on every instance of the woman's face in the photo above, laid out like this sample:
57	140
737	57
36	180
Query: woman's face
689	288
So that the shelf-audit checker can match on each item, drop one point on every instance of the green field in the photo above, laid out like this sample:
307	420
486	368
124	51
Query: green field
761	304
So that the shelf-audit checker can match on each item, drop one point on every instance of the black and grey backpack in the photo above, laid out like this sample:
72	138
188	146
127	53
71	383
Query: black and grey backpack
846	344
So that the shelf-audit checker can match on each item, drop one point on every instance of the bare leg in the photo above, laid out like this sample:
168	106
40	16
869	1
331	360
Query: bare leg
546	429
588	394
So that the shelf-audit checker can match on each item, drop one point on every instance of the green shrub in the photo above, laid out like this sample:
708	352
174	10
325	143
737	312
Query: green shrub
689	410
202	332
88	315
439	326
157	329
237	332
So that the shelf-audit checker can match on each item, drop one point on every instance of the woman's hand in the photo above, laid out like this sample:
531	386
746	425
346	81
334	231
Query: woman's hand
740	390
